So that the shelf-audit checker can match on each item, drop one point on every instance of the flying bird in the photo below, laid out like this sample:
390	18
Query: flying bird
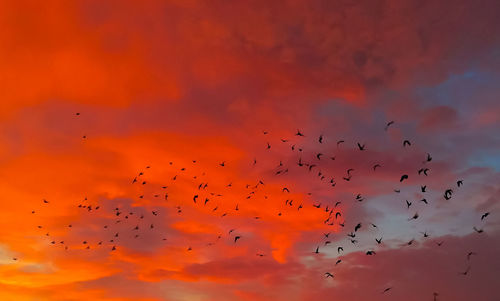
423	170
478	230
388	125
470	254
415	216
408	204
448	193
466	271
403	177
429	158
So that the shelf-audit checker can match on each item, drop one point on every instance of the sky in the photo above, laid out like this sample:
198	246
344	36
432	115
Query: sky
149	150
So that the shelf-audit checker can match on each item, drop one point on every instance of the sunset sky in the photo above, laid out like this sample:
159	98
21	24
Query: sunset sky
149	150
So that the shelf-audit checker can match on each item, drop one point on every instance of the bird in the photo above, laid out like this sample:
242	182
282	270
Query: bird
408	204
358	226
370	252
415	216
448	193
470	254
485	215
236	238
361	147
340	249
386	290
320	139
299	133
328	274
406	143
478	230
466	271
375	166
379	240
317	250
460	183
424	200
422	188
338	261
429	158
388	125
403	177
423	170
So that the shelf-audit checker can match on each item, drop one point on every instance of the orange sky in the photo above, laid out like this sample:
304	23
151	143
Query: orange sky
94	95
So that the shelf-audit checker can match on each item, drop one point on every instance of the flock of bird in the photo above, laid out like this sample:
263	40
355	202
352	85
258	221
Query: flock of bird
137	221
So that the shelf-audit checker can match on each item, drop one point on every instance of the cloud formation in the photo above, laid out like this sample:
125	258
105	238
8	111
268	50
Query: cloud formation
166	83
